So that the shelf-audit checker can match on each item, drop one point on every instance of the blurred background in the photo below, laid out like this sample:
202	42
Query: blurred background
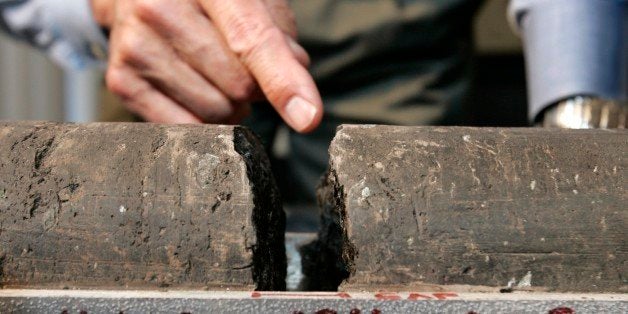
32	88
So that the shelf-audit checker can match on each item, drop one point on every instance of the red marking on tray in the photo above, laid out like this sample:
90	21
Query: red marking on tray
562	310
326	311
342	295
256	294
381	296
418	296
387	296
444	295
355	311
376	311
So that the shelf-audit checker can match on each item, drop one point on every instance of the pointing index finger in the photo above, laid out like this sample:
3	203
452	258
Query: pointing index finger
251	33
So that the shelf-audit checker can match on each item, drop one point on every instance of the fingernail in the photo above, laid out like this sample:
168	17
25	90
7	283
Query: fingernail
300	113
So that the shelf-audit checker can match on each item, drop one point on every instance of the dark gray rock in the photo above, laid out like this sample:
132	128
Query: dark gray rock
414	207
137	206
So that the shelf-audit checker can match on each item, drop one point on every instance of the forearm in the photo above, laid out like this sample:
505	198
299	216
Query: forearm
63	29
572	47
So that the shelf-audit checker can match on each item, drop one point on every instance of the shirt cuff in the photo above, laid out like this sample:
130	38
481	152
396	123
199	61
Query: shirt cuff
65	29
572	47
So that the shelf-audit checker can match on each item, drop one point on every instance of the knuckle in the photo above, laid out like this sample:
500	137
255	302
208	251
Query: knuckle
152	10
241	88
131	46
270	36
117	82
245	37
123	84
200	50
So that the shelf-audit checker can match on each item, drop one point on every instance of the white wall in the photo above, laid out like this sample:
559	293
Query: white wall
31	87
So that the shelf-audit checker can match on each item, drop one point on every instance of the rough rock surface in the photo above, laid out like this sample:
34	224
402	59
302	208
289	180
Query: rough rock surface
415	207
137	206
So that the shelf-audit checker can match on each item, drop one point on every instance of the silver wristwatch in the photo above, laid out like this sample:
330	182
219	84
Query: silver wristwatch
583	112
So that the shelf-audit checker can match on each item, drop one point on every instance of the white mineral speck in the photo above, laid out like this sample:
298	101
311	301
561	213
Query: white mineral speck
532	185
512	282
575	192
526	281
366	192
466	138
122	209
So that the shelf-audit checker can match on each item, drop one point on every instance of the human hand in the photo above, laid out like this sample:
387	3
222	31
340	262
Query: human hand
205	60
